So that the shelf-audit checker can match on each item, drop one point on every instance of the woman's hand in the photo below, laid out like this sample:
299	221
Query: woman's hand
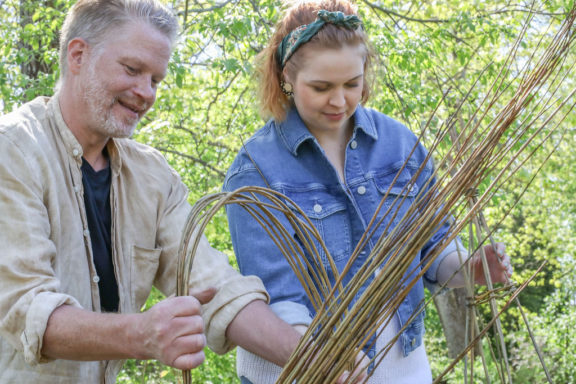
498	264
360	370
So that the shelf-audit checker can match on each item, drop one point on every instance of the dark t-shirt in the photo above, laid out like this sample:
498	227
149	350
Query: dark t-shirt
98	213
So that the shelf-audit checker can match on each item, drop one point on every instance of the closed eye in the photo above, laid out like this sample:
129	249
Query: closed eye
130	70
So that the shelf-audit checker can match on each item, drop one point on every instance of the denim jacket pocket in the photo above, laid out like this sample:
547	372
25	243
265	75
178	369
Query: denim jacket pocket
329	217
399	194
144	267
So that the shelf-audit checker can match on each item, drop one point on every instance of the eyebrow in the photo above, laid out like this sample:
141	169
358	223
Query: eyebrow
131	59
329	82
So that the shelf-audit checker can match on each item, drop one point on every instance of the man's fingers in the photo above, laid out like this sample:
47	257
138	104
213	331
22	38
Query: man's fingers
188	361
205	295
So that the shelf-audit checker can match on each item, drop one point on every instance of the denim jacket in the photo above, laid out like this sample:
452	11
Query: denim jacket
288	156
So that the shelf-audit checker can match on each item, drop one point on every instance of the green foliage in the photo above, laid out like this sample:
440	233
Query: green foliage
215	370
29	53
207	107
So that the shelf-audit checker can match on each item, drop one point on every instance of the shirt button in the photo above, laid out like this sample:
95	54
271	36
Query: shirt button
317	208
361	190
353	144
95	279
86	233
75	152
76	188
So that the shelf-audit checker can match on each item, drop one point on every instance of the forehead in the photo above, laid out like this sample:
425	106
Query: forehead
331	64
141	42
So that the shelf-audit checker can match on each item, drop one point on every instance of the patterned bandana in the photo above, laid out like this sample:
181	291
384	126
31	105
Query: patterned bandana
304	33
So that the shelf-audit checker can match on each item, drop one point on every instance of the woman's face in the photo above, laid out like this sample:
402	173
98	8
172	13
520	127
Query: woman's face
328	87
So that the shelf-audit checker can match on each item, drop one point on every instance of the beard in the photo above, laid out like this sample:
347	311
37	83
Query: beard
100	109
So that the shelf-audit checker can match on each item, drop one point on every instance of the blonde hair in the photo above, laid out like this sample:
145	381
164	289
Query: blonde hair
273	102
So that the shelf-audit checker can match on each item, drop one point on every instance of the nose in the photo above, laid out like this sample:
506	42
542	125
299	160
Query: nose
145	88
337	97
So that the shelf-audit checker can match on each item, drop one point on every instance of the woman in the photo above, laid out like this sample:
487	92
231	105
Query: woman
336	159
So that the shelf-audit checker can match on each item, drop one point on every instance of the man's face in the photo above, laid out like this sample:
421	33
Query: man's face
121	78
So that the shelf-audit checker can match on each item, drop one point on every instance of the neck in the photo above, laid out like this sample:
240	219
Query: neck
334	146
92	143
97	161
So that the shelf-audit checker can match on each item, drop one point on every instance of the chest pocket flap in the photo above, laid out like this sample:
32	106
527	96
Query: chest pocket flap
326	209
403	185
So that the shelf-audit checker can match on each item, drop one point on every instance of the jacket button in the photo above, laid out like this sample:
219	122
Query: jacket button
361	190
95	279
317	208
354	144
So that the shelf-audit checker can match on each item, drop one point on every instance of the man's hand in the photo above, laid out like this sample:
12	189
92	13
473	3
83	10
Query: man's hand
173	330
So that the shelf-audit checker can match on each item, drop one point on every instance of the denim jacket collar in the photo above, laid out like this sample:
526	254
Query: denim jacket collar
294	132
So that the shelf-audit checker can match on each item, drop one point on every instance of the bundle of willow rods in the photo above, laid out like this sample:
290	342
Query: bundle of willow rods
264	205
489	153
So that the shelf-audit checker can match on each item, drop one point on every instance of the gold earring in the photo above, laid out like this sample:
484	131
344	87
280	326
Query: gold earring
286	88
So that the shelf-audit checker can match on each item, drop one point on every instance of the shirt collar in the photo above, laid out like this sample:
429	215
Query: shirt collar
363	122
294	133
72	145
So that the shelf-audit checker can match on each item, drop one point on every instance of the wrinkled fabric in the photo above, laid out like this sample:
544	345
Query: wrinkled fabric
46	257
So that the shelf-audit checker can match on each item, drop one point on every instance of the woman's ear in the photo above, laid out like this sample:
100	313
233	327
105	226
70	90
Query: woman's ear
286	77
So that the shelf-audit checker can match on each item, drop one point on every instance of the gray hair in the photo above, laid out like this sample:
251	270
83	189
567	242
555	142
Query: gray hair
96	20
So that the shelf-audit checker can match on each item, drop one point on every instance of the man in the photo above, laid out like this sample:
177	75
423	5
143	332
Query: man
90	220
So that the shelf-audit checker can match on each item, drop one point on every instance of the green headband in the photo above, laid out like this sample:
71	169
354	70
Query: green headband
304	33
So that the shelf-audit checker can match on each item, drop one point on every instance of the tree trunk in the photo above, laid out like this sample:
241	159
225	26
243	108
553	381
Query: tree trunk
35	64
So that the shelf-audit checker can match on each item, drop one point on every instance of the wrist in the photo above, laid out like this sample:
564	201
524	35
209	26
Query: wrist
135	346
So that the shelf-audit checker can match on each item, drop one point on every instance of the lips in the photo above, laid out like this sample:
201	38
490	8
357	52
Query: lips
335	116
137	109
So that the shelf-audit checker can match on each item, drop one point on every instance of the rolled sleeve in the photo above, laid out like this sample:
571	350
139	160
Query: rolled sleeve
431	275
229	301
37	317
292	313
212	269
28	283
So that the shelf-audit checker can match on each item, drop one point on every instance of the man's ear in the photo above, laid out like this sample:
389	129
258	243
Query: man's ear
77	54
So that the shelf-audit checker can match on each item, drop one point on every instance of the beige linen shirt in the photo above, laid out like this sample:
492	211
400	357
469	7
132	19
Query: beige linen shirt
46	256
